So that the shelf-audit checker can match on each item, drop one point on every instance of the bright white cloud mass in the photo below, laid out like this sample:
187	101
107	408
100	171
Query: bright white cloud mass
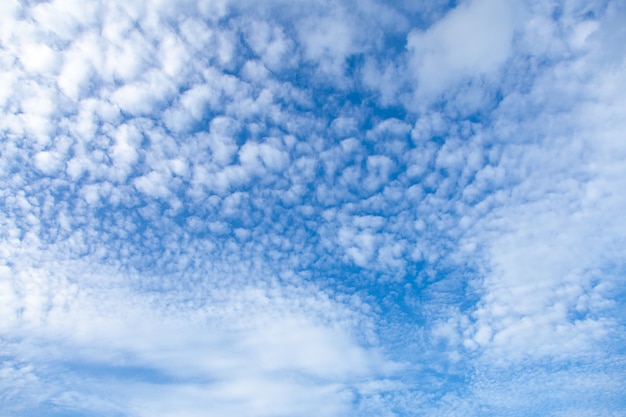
348	208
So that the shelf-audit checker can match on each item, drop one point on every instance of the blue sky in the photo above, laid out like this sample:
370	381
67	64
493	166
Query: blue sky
220	208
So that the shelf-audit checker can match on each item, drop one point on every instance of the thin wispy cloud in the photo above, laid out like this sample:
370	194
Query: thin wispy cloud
312	208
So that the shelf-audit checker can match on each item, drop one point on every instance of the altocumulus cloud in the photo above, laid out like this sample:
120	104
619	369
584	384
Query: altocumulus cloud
346	208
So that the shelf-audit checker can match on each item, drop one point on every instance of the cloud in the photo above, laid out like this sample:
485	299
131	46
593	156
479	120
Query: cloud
472	40
364	209
264	348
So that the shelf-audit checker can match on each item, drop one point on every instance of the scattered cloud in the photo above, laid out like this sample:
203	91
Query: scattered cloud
218	208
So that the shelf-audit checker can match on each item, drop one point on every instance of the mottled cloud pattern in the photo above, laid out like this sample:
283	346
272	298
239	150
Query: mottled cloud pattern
214	208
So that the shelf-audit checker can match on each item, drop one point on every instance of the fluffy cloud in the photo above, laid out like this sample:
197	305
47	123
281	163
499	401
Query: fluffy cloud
356	209
469	43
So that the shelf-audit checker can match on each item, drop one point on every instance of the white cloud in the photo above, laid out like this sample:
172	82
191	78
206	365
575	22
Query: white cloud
328	42
547	290
271	44
153	184
38	59
48	162
80	61
64	18
200	200
136	99
273	350
471	40
7	82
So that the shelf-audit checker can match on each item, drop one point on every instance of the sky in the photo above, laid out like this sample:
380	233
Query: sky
312	208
